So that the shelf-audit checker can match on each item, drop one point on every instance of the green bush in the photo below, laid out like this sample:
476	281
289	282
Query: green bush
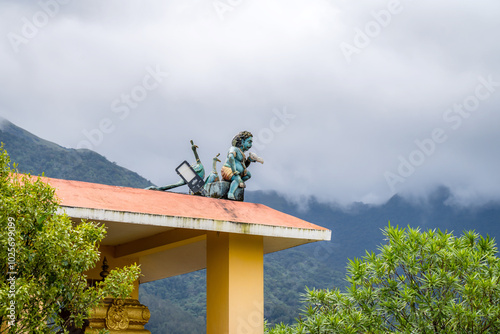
43	256
420	282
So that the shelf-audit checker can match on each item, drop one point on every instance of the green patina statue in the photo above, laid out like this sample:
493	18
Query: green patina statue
235	167
234	172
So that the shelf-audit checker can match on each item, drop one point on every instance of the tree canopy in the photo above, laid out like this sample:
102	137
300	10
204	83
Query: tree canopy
43	257
418	282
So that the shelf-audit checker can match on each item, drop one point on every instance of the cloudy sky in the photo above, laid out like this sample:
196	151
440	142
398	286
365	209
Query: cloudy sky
347	100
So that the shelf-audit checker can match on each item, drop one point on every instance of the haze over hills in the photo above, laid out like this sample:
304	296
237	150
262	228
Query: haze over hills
358	228
354	229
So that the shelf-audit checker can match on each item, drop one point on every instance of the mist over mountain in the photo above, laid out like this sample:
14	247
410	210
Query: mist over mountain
358	227
355	229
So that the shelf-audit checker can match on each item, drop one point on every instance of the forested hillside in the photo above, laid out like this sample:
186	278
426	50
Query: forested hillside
36	156
178	304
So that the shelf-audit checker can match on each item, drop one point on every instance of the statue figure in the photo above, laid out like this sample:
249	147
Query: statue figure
235	166
198	168
234	172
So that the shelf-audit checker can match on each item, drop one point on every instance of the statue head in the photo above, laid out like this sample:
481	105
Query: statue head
241	139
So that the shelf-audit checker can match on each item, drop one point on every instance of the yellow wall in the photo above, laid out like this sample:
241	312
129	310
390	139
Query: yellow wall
235	284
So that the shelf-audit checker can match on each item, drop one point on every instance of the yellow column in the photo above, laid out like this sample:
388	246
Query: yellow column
135	293
235	284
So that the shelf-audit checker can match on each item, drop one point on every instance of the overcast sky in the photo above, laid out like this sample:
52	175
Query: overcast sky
347	100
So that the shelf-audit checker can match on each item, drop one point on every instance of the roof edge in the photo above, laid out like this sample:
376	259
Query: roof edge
197	223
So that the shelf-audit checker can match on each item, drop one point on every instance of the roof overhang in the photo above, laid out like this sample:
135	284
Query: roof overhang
166	232
167	246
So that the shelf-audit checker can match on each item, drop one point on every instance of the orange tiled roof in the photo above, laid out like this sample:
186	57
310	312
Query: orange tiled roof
97	196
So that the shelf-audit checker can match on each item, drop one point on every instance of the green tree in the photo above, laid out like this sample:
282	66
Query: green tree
419	282
43	256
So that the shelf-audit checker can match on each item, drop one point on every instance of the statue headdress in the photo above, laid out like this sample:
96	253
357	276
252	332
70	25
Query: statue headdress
240	137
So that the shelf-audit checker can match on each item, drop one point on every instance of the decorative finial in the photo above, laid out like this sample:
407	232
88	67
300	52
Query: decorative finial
104	273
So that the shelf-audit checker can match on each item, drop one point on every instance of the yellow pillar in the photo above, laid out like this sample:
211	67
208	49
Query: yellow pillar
135	293
235	284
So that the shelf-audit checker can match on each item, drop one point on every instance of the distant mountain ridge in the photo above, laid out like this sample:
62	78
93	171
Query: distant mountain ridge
36	156
359	228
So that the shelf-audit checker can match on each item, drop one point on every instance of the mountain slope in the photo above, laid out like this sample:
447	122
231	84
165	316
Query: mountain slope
36	156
